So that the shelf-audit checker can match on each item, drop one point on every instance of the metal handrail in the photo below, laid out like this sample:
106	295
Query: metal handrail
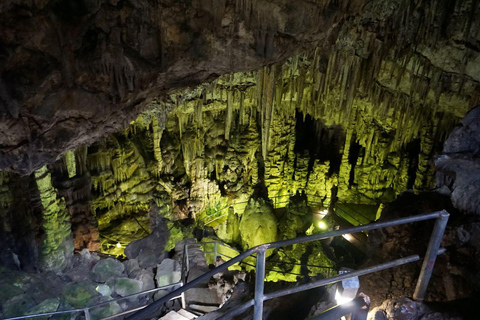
420	290
86	310
217	253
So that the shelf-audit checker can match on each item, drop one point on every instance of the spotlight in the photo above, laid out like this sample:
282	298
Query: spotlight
347	289
348	237
322	225
322	213
119	245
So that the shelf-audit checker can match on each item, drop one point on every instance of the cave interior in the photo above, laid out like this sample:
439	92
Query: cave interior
130	130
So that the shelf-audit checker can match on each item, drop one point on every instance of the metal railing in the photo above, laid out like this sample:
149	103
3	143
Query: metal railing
87	310
259	295
327	270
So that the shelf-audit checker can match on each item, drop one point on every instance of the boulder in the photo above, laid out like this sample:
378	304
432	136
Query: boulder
131	265
168	272
79	294
106	311
150	250
145	276
49	305
106	269
126	286
458	166
104	290
17	306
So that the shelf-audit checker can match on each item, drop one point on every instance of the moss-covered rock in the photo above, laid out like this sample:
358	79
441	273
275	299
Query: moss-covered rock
78	294
106	269
126	286
49	305
17	306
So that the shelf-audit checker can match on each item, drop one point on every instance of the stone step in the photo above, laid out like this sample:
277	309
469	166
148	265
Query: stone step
186	314
202	296
172	315
202	308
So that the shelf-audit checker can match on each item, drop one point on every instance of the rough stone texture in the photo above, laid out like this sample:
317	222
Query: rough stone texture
149	251
458	166
74	71
455	274
107	269
258	224
18	305
49	305
126	286
168	272
79	294
406	309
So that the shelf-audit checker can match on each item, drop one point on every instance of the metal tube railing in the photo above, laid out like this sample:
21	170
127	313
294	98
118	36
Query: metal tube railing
425	274
332	280
430	256
86	310
259	284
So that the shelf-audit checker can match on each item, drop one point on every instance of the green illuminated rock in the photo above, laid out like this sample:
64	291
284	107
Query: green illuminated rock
258	224
78	294
49	305
126	286
57	246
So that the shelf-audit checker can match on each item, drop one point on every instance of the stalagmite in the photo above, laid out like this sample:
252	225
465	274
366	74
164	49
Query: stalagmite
57	245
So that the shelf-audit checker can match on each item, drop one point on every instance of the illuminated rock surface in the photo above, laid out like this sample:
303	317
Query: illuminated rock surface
127	120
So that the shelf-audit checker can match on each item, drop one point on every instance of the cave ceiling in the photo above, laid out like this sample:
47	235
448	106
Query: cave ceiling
72	72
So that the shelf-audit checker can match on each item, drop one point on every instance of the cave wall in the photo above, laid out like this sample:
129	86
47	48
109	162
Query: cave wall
377	88
72	72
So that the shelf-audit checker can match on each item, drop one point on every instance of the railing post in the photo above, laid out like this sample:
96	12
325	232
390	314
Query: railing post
259	284
87	314
182	298
186	258
215	252
431	256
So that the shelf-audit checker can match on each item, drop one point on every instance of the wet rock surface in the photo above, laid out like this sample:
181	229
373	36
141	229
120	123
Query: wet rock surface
71	74
87	281
406	309
452	276
458	166
75	71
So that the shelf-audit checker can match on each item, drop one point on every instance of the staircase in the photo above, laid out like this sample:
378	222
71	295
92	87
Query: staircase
200	299
181	314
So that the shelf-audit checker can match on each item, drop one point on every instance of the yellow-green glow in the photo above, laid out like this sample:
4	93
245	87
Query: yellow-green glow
71	165
322	225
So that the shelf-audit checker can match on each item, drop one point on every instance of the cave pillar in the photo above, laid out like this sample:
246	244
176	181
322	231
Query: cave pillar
56	247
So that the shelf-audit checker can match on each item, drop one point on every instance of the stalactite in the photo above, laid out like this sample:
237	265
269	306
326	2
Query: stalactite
267	107
229	113
70	163
157	137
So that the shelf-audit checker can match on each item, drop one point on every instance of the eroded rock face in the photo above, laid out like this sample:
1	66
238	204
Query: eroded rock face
458	166
73	71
